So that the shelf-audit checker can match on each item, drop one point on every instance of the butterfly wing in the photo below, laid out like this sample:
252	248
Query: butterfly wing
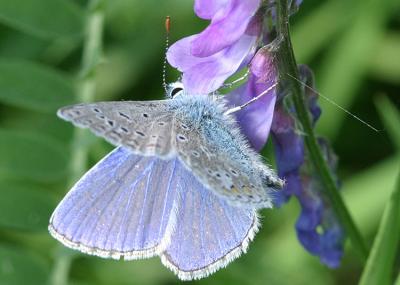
210	232
220	158
231	170
143	127
123	206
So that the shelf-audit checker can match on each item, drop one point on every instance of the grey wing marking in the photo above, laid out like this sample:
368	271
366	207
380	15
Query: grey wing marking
143	127
245	183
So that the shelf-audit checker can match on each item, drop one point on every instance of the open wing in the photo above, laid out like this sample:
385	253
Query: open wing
123	207
134	207
209	233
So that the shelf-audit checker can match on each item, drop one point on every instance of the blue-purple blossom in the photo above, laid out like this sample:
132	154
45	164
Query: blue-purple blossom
207	59
255	120
317	227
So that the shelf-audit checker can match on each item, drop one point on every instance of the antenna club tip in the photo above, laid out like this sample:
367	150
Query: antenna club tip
167	24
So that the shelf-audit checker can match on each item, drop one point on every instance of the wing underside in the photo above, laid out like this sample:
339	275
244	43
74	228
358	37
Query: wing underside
130	206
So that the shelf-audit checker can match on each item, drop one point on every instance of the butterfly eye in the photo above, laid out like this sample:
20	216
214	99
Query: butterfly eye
175	91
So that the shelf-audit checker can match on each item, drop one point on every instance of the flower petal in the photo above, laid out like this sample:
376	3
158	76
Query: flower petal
206	9
289	146
203	75
255	120
225	28
179	56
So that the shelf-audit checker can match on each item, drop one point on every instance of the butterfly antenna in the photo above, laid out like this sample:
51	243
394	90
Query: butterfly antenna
335	104
238	108
241	78
164	70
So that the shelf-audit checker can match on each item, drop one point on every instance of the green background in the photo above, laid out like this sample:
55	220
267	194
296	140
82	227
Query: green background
352	46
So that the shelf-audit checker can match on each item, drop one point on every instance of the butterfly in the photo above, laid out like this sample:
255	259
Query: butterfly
182	184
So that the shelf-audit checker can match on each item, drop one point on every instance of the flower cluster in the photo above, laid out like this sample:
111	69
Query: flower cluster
317	227
236	39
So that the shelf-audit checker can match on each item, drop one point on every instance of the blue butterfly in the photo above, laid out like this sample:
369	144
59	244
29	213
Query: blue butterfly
182	184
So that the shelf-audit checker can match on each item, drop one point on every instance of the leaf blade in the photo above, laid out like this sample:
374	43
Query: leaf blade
379	267
15	261
390	117
33	86
31	156
45	18
24	207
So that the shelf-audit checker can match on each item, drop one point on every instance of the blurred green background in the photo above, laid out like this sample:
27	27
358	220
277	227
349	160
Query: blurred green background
353	46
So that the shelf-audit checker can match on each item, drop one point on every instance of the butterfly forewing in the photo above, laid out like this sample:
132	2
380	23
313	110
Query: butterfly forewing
142	127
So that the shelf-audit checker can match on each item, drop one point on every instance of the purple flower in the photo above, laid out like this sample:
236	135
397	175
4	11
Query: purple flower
255	120
317	227
227	44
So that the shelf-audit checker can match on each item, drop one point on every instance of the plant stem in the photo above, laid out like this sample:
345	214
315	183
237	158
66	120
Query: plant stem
60	271
288	65
92	49
86	92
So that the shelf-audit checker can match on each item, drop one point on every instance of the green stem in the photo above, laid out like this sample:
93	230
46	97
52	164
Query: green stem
60	271
92	49
288	65
86	93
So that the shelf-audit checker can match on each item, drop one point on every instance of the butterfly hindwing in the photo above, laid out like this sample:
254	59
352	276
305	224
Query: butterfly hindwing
143	127
210	232
123	206
219	157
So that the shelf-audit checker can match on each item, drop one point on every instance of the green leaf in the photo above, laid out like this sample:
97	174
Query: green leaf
314	32
43	18
32	156
20	45
397	280
18	267
25	207
390	115
382	65
33	86
366	204
48	124
380	262
351	54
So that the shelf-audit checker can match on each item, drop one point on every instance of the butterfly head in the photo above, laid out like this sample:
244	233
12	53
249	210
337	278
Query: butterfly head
175	90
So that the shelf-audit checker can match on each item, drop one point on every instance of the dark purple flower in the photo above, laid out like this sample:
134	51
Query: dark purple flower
255	120
227	44
317	227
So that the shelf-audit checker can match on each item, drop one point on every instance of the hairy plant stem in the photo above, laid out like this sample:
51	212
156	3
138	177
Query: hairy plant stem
287	70
92	49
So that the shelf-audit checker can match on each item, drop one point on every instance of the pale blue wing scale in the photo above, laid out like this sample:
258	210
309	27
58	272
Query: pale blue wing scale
210	232
124	206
